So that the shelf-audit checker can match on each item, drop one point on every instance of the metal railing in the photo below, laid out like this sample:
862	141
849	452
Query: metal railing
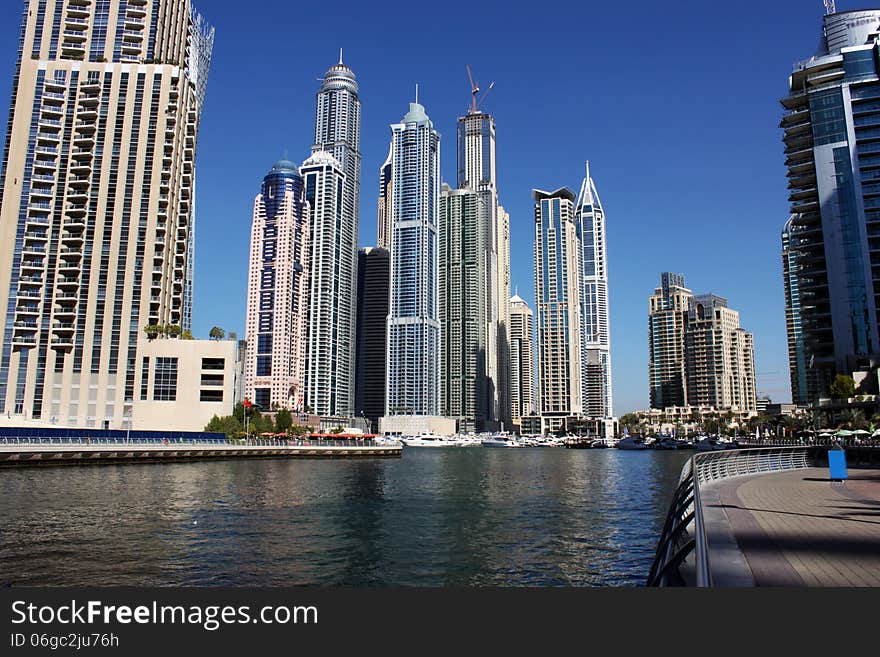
684	536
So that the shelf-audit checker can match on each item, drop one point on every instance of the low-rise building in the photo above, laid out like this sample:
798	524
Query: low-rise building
183	383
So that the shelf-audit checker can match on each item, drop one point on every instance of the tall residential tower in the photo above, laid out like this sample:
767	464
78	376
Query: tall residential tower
96	212
413	380
332	185
595	333
667	309
278	285
557	296
832	237
522	383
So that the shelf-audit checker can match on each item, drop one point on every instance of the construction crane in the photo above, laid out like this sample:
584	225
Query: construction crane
475	89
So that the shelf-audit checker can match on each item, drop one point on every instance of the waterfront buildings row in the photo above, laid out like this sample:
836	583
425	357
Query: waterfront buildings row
831	239
698	353
97	213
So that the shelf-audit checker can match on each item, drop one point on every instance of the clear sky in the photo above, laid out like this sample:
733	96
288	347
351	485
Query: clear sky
675	104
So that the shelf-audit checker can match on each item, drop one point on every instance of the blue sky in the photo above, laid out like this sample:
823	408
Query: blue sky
674	104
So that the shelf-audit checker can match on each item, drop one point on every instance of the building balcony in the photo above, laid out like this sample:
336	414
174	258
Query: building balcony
67	281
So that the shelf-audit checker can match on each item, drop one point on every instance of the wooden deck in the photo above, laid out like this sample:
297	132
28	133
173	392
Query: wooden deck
796	529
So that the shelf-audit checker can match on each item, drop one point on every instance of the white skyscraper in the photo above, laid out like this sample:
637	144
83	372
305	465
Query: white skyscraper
328	384
334	223
413	382
595	335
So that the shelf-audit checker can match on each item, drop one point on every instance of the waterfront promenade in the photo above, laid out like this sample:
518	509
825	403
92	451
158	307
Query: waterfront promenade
84	452
772	517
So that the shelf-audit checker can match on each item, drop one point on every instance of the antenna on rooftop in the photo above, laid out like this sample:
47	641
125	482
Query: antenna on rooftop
829	7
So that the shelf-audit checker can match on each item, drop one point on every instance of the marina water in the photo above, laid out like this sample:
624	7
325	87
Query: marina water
452	517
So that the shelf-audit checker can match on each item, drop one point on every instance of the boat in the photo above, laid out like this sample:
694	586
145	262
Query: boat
707	444
667	443
632	442
430	440
501	440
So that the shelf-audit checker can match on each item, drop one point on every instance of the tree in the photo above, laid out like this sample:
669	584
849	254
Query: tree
283	420
853	418
217	333
228	425
173	330
843	387
187	335
152	331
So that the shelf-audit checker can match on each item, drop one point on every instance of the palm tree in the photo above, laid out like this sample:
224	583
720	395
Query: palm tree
853	418
217	333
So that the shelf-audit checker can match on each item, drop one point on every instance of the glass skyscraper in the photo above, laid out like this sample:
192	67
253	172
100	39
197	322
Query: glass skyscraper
595	333
831	242
413	380
96	212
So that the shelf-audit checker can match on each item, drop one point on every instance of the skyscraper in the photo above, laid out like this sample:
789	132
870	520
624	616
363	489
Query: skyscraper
413	379
557	295
468	309
329	380
278	291
522	385
667	309
383	227
595	333
335	235
832	272
477	171
96	212
374	270
796	352
719	356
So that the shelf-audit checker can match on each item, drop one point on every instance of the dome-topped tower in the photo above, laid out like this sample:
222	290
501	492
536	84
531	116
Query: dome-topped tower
339	76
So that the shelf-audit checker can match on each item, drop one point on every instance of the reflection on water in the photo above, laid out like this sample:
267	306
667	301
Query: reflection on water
466	517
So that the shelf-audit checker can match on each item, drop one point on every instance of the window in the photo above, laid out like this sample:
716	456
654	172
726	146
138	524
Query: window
264	366
211	396
165	380
262	397
213	380
213	363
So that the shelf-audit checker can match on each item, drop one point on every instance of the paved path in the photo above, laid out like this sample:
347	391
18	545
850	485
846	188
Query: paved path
795	529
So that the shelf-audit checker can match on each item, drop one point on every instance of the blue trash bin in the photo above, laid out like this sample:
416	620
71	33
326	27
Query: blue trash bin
837	464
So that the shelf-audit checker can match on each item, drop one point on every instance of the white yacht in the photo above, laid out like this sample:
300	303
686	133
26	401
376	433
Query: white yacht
430	440
502	439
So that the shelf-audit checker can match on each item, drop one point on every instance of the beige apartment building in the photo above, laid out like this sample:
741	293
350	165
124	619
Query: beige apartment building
719	357
96	213
184	383
522	395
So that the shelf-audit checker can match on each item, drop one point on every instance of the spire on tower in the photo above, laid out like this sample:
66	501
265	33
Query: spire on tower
829	7
340	56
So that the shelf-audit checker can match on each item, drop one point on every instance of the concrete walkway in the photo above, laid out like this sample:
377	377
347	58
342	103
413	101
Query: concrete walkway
795	528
